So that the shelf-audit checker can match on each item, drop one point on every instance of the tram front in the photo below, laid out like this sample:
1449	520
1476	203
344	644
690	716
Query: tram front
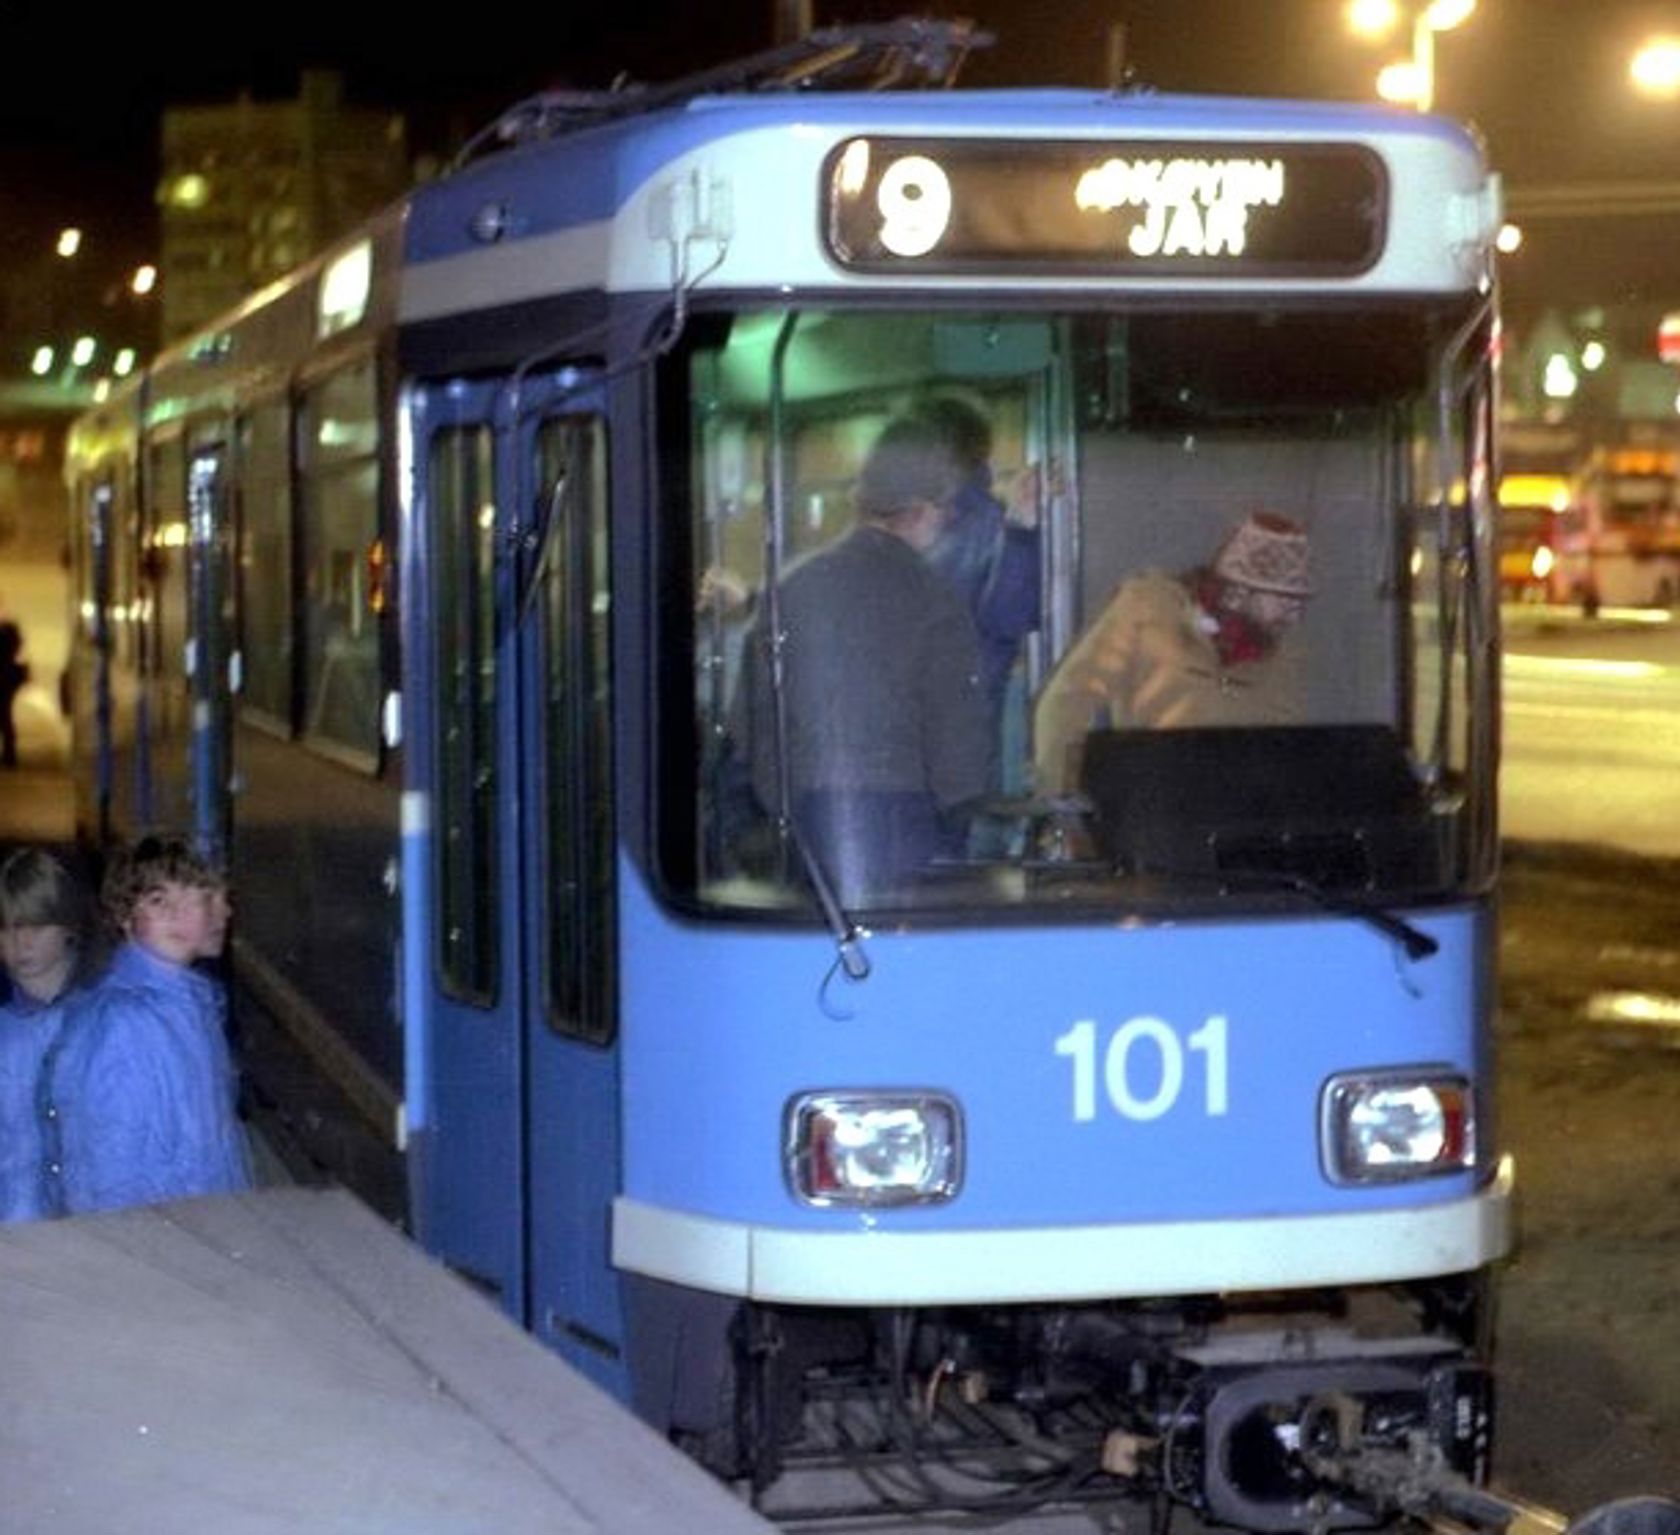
1115	1094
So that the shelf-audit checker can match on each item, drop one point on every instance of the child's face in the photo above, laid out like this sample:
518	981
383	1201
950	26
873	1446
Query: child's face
182	922
38	957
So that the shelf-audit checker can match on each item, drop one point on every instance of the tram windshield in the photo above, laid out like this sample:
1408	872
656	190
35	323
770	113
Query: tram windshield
1153	610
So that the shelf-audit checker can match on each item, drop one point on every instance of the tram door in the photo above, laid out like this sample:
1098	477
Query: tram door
91	654
513	1074
162	765
106	684
182	769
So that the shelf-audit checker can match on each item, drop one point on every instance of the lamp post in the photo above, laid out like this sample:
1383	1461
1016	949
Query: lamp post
1412	80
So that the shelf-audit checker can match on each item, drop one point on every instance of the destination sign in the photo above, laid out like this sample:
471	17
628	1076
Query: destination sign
1148	208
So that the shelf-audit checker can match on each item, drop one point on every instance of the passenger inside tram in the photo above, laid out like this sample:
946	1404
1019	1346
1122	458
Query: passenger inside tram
1202	648
860	711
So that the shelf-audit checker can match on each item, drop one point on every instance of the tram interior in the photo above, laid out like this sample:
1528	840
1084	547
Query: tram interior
1141	440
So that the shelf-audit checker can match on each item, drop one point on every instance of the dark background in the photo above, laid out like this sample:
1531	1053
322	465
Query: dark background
1544	81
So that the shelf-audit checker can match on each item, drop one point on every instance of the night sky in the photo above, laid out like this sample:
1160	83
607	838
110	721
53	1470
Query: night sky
1544	80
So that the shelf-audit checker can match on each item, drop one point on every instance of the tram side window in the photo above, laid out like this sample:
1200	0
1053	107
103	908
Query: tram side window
102	558
461	477
124	555
340	488
163	542
90	559
265	564
576	600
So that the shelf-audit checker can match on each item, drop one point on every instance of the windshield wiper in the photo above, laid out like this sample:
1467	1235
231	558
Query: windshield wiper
1417	943
848	936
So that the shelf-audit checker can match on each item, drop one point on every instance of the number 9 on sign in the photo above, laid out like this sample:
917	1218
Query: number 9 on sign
914	199
1145	1067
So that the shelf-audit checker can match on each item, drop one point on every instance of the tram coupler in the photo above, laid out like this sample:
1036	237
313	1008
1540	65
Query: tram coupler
1416	1481
1465	1510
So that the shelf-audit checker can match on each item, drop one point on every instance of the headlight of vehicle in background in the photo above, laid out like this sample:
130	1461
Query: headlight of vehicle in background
1383	1127
873	1148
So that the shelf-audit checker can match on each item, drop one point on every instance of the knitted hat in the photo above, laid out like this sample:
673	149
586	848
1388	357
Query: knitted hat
1266	553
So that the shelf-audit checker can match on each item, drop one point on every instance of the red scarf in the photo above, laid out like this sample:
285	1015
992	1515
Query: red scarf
1236	637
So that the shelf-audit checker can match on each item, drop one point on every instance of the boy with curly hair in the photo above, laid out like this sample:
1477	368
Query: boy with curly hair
139	1092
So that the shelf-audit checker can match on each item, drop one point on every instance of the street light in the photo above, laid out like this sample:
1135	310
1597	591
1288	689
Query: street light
1561	380
1655	69
1412	80
1373	18
1405	82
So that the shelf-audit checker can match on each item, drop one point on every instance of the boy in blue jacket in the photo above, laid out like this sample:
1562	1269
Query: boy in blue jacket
137	1097
49	950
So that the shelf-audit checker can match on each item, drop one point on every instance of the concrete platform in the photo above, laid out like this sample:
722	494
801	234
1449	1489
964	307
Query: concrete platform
285	1361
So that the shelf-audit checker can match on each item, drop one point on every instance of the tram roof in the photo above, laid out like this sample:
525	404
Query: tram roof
606	162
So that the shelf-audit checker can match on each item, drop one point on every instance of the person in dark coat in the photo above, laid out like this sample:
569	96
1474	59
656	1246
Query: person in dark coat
886	725
14	673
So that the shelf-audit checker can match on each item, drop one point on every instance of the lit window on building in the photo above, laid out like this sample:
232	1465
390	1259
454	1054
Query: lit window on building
189	191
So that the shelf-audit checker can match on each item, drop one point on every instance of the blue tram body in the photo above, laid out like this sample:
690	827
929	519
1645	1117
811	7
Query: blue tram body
1155	1119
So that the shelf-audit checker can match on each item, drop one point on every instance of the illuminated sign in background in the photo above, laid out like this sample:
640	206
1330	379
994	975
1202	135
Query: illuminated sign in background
1143	207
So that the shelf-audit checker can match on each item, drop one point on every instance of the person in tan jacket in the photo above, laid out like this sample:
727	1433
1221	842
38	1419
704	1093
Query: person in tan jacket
1181	652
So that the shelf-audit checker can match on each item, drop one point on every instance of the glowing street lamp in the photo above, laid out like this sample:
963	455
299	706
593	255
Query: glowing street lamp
1444	15
1373	18
81	354
69	242
1411	81
1655	69
41	363
1560	380
1404	84
143	281
1509	239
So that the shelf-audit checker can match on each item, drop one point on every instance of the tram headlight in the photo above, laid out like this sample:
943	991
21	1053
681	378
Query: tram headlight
873	1148
1382	1127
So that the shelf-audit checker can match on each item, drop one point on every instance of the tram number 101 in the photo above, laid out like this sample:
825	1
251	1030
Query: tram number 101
1144	1067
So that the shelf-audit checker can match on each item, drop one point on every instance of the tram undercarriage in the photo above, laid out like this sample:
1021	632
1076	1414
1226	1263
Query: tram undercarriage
1319	1413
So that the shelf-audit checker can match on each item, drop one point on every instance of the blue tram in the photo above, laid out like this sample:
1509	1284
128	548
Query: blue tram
1141	1143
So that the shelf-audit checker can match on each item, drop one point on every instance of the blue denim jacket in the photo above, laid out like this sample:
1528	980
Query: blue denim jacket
136	1101
27	1031
993	566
